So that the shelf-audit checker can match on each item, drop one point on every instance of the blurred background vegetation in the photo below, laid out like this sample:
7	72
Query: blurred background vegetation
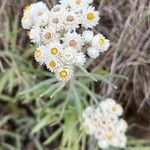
30	120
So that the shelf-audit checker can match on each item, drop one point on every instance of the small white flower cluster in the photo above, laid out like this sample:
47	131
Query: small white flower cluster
55	32
105	124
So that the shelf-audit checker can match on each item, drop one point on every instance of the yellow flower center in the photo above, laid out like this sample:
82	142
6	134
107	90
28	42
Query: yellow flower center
109	137
26	9
114	109
101	41
48	35
63	73
37	53
72	43
90	16
78	2
54	51
52	64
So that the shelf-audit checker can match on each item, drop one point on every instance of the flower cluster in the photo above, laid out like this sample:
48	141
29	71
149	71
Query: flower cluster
56	33
105	124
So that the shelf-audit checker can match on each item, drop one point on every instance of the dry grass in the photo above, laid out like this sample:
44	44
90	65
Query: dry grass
127	24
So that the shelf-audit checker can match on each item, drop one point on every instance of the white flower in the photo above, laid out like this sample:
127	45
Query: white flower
58	9
61	45
103	144
88	112
112	119
71	21
100	42
116	109
104	105
78	5
88	35
105	126
53	49
121	126
35	35
99	132
109	137
68	55
88	127
119	141
90	17
73	40
53	64
110	106
38	12
64	74
92	52
35	8
42	19
56	20
80	59
104	121
48	34
39	55
122	141
26	22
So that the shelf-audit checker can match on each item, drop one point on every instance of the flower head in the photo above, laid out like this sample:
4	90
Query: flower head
71	21
62	44
27	22
68	55
73	40
93	52
53	49
101	43
106	126
39	55
88	35
56	20
53	64
48	35
38	12
90	17
80	59
64	74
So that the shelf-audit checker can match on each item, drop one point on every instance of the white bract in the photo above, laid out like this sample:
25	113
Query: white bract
88	35
92	52
64	36
35	35
105	125
80	59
